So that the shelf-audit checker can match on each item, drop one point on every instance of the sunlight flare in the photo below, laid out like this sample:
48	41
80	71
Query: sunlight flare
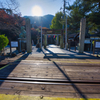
36	11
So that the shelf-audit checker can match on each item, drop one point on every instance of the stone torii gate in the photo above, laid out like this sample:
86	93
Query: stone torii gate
28	36
54	31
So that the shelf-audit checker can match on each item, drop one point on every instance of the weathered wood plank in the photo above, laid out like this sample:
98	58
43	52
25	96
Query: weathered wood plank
70	90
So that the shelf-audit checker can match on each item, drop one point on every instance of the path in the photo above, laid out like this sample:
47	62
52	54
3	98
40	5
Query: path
54	51
52	63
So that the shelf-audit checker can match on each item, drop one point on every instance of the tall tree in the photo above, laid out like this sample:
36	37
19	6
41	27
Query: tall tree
83	8
57	21
10	25
94	16
96	3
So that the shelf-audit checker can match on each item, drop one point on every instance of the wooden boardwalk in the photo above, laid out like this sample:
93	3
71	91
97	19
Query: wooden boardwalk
35	66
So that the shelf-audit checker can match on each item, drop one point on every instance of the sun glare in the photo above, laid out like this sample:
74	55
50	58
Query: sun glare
36	11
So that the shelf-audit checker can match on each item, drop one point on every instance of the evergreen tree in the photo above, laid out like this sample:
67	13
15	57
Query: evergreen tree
3	41
57	21
83	9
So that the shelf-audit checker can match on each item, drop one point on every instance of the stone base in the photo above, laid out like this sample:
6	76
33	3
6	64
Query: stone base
38	45
44	47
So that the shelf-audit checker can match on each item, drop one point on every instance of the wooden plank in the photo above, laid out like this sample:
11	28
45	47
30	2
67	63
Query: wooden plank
49	70
70	90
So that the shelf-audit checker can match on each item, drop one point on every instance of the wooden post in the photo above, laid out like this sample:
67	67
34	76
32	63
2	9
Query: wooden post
61	40
94	47
10	47
28	36
82	35
69	45
45	41
91	46
57	39
19	44
75	45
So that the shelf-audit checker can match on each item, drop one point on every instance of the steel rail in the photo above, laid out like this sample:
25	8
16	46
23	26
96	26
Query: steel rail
37	80
44	83
32	82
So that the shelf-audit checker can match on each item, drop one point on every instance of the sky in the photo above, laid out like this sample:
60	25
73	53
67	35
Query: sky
38	7
46	6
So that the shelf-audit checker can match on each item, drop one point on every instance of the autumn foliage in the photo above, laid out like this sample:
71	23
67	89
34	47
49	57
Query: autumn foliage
11	23
11	20
5	18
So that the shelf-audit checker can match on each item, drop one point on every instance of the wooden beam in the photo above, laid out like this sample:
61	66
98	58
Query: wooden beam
51	33
52	29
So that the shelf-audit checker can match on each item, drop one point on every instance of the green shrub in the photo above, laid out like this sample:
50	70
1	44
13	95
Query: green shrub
3	41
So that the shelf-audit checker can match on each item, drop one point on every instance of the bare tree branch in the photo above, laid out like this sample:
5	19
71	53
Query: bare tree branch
10	4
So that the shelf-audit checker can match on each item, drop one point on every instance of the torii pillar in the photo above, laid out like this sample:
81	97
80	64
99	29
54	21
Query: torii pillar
57	39
61	40
82	35
28	36
45	40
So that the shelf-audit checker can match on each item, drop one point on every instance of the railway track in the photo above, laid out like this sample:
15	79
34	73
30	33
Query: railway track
47	81
50	87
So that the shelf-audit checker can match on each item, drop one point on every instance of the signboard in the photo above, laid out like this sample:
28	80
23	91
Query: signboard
97	45
95	38
14	44
87	41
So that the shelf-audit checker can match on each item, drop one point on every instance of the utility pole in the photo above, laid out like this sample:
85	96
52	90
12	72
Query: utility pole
65	25
64	11
66	44
64	7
